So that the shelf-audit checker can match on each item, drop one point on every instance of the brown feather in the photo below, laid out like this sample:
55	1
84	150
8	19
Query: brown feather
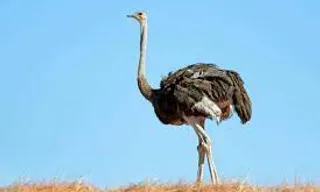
181	90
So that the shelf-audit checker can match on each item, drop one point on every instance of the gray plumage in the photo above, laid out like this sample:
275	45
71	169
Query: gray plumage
181	90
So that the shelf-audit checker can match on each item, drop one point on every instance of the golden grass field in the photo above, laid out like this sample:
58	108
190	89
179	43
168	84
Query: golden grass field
155	187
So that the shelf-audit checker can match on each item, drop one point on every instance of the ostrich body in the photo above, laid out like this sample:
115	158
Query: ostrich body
191	95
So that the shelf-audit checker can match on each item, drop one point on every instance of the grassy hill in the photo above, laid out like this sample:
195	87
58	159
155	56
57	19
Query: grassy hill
148	187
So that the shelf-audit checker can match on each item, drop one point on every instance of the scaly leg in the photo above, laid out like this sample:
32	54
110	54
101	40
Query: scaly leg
200	148
207	146
204	148
201	156
201	153
212	166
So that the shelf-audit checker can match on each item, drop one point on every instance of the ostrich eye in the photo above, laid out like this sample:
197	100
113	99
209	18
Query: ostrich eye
140	13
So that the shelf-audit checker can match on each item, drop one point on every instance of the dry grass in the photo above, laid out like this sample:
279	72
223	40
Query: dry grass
148	187
50	187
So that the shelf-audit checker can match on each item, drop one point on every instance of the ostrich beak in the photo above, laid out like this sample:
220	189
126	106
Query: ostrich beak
130	16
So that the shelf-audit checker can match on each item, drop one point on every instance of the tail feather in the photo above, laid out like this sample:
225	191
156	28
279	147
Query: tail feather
241	100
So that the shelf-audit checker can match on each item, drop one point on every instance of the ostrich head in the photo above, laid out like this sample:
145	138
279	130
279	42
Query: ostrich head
139	16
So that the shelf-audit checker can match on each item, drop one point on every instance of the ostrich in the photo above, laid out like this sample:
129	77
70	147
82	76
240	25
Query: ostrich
193	94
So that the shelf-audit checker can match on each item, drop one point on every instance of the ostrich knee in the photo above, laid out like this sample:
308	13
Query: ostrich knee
201	153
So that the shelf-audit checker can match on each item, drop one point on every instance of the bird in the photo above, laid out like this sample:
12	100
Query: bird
193	94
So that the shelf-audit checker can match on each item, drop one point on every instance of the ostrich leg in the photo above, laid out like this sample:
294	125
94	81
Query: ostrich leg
212	166
204	148
207	147
201	154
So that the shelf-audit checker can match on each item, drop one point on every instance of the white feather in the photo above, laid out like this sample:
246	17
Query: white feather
208	106
196	75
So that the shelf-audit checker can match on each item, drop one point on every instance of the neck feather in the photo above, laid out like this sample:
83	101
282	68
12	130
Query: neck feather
143	84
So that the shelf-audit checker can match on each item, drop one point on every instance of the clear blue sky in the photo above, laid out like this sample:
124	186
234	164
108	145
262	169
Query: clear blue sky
70	106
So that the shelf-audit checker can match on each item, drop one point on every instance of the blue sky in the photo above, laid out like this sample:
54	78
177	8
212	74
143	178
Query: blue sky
70	106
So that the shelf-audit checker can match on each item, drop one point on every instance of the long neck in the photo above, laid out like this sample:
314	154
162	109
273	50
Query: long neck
144	86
